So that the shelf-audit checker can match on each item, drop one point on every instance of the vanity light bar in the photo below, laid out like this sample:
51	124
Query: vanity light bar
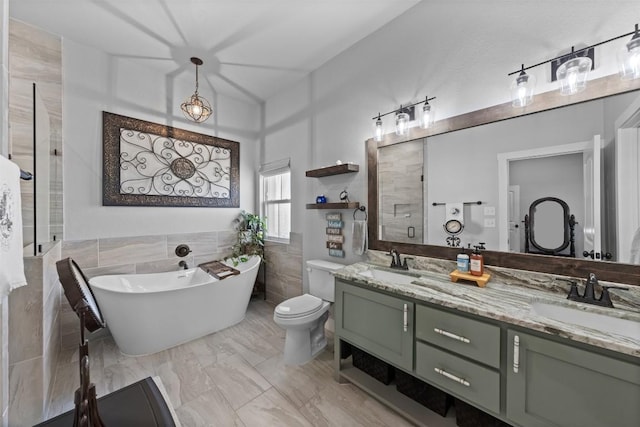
404	115
571	69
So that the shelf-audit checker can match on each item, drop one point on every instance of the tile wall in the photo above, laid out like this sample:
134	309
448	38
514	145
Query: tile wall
137	254
284	269
35	56
34	338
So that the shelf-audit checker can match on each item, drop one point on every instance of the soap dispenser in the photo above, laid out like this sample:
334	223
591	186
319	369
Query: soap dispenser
476	262
462	262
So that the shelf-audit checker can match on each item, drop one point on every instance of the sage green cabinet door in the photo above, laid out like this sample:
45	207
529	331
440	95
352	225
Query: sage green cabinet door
553	384
377	323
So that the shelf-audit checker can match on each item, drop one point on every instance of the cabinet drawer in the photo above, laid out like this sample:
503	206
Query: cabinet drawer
477	383
471	338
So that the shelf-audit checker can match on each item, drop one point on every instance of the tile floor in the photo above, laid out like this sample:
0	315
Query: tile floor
235	377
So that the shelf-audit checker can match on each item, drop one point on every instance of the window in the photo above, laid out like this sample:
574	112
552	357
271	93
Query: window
275	200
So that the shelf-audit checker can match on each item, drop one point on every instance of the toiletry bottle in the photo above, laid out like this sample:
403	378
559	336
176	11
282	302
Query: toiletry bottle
463	262
476	263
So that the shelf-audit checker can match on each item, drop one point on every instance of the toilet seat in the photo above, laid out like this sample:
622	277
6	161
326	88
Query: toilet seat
300	306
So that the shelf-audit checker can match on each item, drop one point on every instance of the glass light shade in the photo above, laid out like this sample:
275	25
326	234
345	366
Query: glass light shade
402	123
378	129
196	108
629	59
572	75
427	118
522	89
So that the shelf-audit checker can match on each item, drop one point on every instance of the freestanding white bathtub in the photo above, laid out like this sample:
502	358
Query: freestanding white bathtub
147	313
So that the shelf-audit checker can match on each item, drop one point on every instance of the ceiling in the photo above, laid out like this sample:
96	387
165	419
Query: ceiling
251	49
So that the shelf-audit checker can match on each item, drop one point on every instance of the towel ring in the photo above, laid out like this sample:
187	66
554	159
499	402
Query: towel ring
362	209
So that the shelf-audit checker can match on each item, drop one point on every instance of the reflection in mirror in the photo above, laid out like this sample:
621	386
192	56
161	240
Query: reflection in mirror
549	228
400	181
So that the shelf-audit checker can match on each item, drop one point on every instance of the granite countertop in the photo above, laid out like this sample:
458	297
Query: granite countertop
501	301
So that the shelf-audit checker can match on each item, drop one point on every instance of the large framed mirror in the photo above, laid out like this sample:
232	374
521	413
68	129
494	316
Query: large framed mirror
495	162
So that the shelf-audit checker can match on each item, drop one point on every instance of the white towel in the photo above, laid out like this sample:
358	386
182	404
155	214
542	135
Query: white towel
359	232
11	264
635	248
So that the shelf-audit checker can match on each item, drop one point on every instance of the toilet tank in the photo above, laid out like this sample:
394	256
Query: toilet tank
321	282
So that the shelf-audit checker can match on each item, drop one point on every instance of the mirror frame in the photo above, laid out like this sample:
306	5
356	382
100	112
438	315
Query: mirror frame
567	228
604	270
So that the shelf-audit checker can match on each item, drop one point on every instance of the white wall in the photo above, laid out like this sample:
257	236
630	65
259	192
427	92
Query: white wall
95	81
437	48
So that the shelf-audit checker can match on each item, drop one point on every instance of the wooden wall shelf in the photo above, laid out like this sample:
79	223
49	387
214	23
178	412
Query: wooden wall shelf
333	170
350	205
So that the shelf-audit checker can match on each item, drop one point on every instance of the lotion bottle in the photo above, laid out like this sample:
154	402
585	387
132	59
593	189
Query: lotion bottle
476	262
463	262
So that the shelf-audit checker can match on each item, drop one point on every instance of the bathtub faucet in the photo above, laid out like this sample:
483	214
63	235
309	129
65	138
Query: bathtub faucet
183	250
183	264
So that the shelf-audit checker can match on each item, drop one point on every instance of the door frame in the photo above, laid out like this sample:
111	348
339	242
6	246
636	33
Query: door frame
503	179
627	165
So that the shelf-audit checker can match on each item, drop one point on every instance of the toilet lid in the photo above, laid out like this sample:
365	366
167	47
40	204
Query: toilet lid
299	306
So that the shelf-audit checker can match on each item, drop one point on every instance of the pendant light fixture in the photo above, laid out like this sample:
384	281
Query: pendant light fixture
572	74
195	107
427	118
402	122
378	130
629	58
522	89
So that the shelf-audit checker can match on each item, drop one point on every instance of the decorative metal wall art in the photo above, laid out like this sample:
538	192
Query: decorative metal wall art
149	164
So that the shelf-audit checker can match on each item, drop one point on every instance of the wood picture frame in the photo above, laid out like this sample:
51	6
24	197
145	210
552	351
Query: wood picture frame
150	164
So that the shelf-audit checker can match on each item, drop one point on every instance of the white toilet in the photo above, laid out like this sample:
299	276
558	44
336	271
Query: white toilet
304	316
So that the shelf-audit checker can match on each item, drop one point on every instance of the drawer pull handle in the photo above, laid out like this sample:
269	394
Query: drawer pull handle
516	353
405	317
452	377
451	335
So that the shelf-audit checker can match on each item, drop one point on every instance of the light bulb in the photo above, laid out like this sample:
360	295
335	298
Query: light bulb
522	89
572	75
402	123
427	115
378	134
629	58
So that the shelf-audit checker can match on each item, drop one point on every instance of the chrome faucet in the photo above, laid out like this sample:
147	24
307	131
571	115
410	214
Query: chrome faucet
589	296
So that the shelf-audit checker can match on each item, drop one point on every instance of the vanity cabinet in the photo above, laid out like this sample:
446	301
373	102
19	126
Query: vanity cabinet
460	355
554	384
375	322
523	377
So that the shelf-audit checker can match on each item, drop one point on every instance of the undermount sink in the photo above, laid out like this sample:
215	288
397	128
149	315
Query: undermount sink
388	276
601	322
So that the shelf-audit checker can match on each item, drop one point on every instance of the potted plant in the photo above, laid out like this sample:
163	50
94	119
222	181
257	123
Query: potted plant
250	229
